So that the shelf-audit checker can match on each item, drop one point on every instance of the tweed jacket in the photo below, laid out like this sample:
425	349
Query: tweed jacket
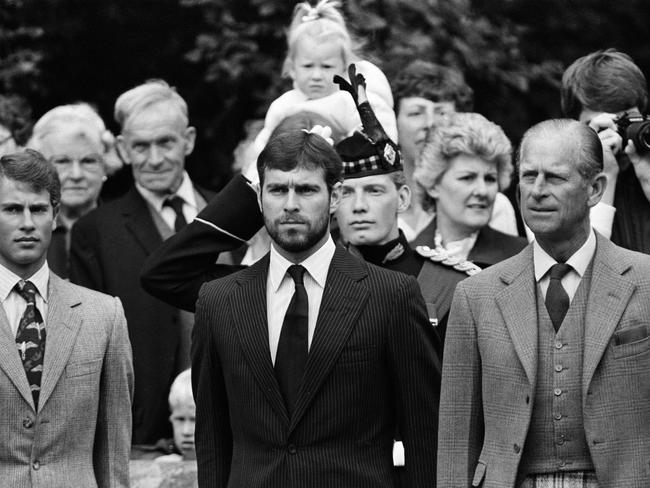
108	248
490	372
370	370
81	433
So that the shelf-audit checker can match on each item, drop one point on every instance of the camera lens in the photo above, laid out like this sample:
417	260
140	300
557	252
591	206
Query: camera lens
639	132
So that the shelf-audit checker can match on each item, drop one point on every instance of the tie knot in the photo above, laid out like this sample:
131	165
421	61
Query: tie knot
27	290
296	272
559	270
175	202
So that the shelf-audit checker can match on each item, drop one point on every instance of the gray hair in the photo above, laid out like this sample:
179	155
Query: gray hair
88	124
138	99
588	155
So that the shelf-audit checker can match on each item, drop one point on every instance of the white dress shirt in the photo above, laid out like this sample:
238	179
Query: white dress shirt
13	304
185	191
280	288
579	262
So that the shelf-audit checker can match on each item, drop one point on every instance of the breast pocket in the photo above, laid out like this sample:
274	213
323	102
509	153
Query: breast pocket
83	368
631	342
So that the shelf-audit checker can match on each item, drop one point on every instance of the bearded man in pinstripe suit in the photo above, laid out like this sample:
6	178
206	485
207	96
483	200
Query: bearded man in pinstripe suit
302	381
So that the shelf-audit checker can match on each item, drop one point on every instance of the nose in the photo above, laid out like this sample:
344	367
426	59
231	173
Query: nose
360	203
538	188
316	73
291	202
156	156
75	171
480	187
187	428
27	222
429	117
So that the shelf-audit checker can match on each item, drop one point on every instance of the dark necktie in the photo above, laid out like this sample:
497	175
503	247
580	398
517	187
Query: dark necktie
30	338
291	355
176	203
557	300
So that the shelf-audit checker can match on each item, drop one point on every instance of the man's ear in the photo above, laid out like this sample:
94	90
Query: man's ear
597	189
190	139
55	213
335	197
120	148
258	192
404	198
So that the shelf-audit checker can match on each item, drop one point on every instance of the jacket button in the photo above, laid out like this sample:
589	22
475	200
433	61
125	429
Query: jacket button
291	448
516	448
36	465
28	423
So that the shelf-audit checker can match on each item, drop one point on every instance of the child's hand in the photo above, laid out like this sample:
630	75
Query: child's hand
356	86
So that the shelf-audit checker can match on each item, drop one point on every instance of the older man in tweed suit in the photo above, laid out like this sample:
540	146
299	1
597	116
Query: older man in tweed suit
547	359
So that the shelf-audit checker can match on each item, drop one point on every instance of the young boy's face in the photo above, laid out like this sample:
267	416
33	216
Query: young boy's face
183	418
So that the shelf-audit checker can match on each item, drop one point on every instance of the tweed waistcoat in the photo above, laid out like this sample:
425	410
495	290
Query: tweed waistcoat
556	438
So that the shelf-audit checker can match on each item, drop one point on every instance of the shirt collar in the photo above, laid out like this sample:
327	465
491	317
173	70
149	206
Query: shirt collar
579	261
8	280
316	265
185	191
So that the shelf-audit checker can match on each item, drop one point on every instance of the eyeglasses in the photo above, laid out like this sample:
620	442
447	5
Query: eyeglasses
92	163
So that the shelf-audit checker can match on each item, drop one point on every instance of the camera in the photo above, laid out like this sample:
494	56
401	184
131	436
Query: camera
635	128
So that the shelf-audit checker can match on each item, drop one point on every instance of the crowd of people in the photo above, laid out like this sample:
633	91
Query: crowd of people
385	295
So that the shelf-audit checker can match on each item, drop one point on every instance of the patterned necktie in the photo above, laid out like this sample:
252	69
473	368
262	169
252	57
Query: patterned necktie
291	356
557	300
176	203
30	338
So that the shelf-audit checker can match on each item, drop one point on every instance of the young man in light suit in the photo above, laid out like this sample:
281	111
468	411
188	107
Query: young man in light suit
66	377
547	355
305	363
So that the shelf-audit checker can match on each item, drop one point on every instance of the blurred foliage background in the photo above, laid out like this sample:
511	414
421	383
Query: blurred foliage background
225	56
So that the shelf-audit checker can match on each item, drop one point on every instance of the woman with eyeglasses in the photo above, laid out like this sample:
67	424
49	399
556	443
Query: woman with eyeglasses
74	138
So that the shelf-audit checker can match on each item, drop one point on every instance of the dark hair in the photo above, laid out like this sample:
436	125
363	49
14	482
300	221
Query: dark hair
433	82
603	81
31	167
16	117
588	155
307	120
293	149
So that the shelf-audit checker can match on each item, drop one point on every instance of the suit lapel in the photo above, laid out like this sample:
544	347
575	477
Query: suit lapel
609	295
344	298
138	220
518	305
10	360
62	326
248	303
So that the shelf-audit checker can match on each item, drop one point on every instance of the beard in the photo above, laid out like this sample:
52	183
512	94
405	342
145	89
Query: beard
300	239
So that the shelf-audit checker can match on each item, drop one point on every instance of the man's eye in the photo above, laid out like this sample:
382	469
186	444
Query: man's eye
62	161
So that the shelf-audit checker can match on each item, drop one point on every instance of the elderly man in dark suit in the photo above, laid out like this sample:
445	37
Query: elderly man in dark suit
547	358
305	363
110	244
66	377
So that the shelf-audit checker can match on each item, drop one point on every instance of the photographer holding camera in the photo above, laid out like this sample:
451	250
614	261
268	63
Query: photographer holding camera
607	91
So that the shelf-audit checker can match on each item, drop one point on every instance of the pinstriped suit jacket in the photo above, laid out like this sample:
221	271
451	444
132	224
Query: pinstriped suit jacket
81	433
370	370
490	372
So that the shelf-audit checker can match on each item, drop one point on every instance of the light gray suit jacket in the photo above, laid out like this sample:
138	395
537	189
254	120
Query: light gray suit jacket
81	433
490	372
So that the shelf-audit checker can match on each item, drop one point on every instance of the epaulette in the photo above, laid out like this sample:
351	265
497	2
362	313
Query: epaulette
441	256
